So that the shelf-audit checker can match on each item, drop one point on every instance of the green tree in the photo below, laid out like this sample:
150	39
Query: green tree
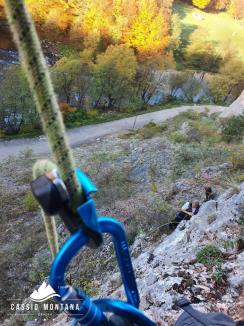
233	69
175	82
113	76
175	38
226	86
232	129
147	78
191	87
16	105
64	74
219	88
201	53
72	78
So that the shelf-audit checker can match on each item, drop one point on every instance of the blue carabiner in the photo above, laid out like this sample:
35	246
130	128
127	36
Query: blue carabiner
92	312
71	247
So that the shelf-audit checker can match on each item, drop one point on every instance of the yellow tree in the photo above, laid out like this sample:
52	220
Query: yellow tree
119	21
201	3
52	13
148	33
93	18
38	9
91	22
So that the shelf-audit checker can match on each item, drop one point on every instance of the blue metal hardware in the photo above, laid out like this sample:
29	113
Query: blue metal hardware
86	183
87	211
116	230
88	313
124	309
91	312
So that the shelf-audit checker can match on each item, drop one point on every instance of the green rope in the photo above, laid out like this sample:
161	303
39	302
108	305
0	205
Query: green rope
39	79
51	231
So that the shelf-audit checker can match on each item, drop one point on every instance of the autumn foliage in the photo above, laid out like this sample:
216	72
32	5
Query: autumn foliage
148	32
66	108
201	3
234	7
141	24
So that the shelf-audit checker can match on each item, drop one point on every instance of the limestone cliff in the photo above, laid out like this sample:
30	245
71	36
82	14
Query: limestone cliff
236	108
171	269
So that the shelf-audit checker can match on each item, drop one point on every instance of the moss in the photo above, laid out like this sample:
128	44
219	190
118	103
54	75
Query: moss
178	137
191	115
209	255
237	158
30	202
151	130
232	129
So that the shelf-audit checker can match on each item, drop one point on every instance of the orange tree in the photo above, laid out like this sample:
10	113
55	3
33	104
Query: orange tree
148	32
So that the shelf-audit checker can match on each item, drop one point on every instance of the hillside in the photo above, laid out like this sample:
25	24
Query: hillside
173	267
143	178
228	35
104	63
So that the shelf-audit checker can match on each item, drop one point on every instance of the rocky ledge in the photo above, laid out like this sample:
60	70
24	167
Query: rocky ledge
171	269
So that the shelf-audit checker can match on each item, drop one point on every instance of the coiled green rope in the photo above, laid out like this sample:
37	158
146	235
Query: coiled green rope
39	79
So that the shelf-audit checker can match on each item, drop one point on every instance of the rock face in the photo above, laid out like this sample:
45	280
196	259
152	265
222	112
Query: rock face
170	269
236	108
195	84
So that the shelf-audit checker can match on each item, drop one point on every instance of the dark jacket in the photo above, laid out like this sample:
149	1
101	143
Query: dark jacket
183	216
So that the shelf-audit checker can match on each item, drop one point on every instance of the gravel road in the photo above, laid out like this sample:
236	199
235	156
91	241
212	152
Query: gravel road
85	134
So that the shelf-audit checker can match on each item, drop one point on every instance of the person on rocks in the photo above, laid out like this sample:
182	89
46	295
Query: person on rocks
209	194
187	211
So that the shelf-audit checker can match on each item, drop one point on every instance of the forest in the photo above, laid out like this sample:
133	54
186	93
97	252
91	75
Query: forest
116	56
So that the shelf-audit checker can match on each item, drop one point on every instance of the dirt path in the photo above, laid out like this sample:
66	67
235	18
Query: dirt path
90	133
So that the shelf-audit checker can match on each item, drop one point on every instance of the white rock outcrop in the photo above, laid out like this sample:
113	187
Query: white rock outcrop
170	269
236	108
